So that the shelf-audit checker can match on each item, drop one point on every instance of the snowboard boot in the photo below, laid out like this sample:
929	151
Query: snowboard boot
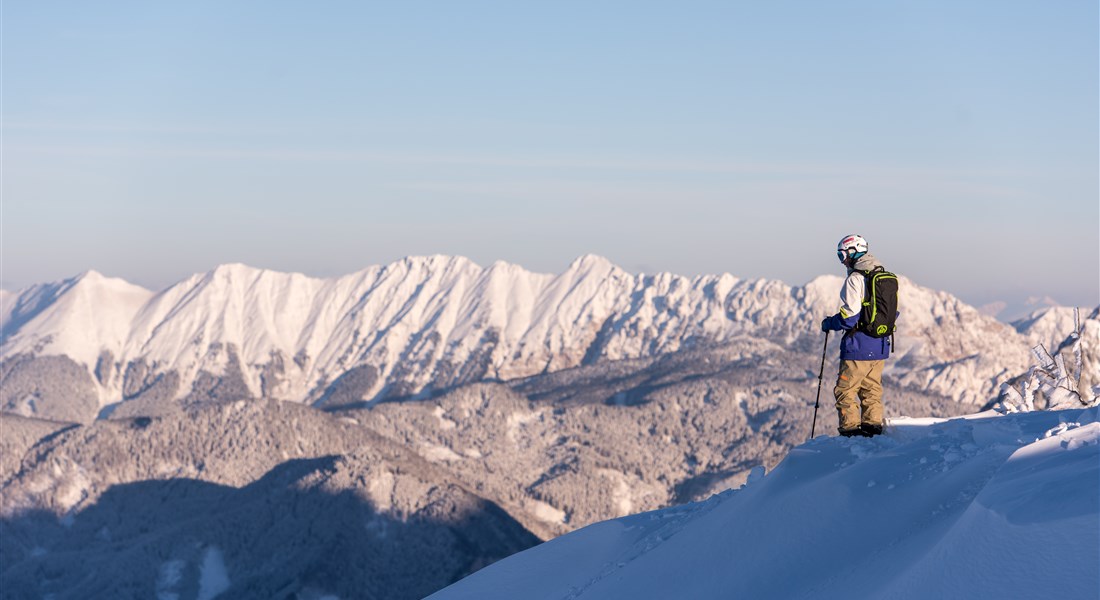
871	429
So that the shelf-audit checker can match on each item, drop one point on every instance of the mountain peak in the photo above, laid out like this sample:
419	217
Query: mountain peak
511	322
94	280
590	262
436	261
90	275
234	269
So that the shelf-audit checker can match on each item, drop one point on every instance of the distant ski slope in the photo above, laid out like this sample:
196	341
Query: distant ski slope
427	323
987	506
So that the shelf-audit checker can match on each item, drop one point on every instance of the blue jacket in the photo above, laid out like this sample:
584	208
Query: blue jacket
856	345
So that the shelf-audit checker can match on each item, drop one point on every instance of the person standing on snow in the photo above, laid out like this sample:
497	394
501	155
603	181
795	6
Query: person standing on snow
858	388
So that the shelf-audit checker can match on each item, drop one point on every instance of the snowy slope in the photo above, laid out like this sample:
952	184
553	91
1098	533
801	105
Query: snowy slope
983	507
428	323
7	300
78	317
1051	326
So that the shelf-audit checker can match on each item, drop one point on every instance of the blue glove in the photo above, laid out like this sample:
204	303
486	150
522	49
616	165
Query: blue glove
825	324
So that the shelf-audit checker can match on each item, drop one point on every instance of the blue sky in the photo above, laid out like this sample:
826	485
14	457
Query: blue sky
153	140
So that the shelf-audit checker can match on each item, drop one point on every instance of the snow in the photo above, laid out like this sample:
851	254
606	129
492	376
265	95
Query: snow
444	422
418	314
7	304
79	317
437	453
543	511
987	506
213	576
169	578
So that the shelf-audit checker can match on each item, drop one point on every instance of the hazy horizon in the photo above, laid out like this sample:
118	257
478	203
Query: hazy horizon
151	142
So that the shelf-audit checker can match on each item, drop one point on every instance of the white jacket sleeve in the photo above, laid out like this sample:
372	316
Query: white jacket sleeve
851	295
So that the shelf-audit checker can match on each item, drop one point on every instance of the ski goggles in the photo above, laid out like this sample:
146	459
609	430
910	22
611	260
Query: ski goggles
844	255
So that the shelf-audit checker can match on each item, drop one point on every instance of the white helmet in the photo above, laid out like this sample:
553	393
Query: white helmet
851	247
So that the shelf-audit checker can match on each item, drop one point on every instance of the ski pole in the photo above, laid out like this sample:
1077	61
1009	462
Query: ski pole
821	374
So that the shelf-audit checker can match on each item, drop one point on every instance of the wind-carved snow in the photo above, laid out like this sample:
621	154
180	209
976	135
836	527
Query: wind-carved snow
430	323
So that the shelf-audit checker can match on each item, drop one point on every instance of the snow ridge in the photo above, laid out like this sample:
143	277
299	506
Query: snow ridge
427	323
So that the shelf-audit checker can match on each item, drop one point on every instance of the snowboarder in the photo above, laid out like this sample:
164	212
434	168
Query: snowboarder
866	342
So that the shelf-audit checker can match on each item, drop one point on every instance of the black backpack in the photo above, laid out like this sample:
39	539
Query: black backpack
880	303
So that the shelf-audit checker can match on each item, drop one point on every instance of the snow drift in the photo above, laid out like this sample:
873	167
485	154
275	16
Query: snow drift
986	506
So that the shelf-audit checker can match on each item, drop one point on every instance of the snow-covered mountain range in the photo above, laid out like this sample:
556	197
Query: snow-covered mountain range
425	324
546	403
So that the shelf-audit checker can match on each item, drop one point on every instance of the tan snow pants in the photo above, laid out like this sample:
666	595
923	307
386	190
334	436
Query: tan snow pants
858	393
